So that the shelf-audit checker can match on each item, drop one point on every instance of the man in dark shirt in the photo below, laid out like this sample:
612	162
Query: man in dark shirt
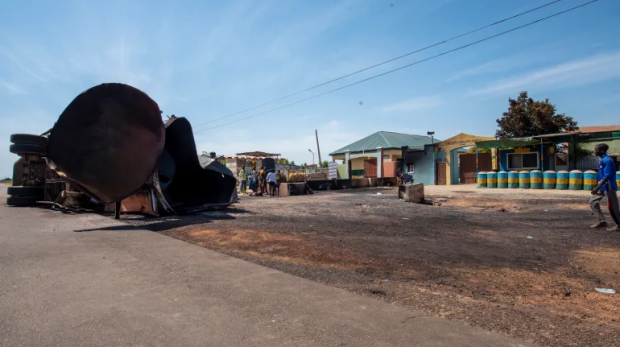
607	186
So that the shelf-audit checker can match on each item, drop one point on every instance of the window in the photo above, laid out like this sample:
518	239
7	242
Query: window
523	160
410	168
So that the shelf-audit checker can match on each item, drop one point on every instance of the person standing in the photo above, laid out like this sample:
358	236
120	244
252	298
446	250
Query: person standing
243	177
261	179
255	181
272	181
606	186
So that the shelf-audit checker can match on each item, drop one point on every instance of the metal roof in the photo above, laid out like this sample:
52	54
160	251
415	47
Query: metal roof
385	140
258	154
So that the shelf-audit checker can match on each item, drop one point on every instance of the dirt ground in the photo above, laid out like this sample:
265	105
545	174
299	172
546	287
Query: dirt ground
523	263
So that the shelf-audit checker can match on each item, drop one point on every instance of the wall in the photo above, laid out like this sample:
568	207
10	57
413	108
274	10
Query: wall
423	162
548	163
389	168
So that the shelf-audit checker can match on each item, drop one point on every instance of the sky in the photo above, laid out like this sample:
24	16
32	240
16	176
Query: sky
205	60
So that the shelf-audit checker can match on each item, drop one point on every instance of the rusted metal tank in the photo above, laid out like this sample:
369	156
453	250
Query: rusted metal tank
108	140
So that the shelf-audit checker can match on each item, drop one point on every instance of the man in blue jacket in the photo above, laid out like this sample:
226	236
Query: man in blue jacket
607	186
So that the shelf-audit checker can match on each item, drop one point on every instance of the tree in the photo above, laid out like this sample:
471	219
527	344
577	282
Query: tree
292	162
283	161
526	117
325	164
304	166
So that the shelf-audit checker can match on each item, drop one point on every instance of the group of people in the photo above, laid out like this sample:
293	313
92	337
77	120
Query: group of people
259	181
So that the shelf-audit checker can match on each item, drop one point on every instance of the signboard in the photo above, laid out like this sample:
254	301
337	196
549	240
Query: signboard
333	170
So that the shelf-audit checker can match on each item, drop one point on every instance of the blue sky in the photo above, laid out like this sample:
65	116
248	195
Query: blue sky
207	59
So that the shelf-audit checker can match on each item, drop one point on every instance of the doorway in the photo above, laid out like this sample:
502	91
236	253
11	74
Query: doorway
441	173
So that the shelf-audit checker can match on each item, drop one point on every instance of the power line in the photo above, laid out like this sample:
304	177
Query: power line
402	67
379	64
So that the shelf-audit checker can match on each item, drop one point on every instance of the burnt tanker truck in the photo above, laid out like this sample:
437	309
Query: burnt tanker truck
110	149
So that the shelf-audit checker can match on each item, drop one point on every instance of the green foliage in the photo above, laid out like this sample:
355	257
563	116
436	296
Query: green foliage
304	165
325	164
7	180
292	162
283	161
581	151
526	117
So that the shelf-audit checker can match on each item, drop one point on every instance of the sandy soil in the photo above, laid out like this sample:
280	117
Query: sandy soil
520	262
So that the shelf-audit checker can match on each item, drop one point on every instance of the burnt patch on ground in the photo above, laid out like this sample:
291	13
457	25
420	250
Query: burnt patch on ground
523	263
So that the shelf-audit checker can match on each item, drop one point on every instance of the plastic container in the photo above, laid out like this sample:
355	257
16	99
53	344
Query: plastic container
575	180
590	179
561	181
502	179
524	180
491	179
549	178
513	179
482	180
536	179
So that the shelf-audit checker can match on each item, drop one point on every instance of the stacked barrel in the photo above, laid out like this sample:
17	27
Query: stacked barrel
590	180
549	178
561	181
536	179
482	179
491	179
502	179
524	180
513	179
575	180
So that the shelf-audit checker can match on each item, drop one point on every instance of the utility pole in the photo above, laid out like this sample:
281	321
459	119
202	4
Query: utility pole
318	149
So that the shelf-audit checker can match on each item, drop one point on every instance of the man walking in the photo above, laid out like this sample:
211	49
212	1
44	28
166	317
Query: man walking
607	186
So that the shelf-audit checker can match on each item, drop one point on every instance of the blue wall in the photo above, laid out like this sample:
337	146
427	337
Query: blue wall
423	162
548	163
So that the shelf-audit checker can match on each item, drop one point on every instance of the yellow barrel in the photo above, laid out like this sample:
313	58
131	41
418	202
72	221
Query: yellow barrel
575	180
536	179
524	179
502	179
549	179
590	180
561	182
513	179
491	179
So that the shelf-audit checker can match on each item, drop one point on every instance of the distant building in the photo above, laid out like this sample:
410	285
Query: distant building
377	155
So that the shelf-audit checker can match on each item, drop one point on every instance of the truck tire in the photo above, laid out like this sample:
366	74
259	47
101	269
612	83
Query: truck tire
24	148
21	200
29	139
36	192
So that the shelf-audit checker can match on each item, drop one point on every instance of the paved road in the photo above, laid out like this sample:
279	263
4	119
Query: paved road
129	287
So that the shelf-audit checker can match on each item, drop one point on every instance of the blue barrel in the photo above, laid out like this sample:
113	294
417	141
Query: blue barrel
575	180
536	179
502	179
513	179
482	179
524	179
618	178
549	179
590	180
561	182
491	179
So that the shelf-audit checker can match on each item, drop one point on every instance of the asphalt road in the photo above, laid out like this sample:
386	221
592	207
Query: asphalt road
124	286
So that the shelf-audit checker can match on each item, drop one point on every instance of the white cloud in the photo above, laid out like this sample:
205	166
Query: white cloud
579	72
413	104
11	88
